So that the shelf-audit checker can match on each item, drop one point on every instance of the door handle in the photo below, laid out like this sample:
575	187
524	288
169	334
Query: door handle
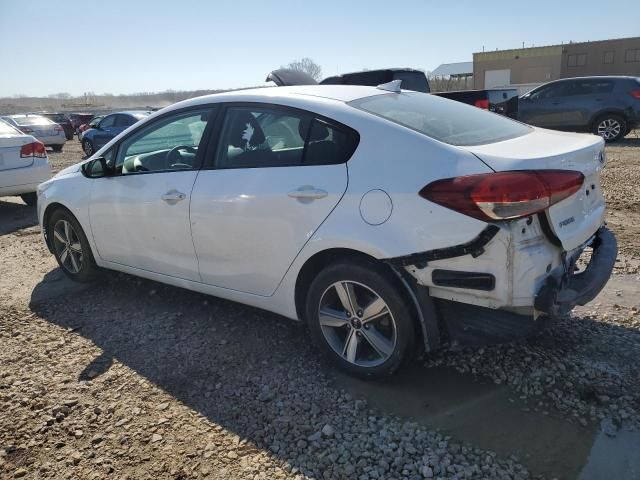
308	193
173	196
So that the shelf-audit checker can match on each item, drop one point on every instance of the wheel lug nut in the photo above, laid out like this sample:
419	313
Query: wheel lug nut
366	326
348	314
359	313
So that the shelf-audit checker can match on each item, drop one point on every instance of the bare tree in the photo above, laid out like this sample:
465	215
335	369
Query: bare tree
307	66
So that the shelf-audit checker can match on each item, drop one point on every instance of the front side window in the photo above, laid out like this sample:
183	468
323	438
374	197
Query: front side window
555	90
445	120
255	137
168	144
108	121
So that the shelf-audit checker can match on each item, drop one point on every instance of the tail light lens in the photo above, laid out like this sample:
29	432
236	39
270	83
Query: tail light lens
635	93
484	104
34	149
26	130
504	195
58	128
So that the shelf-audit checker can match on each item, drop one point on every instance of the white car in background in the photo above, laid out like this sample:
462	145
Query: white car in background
46	131
358	210
23	164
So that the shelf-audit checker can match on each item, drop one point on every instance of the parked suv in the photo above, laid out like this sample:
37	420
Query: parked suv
606	106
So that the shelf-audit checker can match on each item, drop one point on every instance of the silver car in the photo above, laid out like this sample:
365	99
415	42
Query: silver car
46	131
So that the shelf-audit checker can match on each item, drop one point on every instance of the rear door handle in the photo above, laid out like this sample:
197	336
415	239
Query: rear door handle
308	193
173	196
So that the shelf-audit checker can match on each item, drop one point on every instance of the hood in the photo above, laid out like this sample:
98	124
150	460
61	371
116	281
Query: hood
69	170
284	77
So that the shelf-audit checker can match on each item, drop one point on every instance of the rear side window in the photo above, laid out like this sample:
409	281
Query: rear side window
592	87
259	137
445	120
124	121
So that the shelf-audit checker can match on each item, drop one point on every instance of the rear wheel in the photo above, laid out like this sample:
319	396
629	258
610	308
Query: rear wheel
87	146
57	148
610	127
71	247
29	198
358	318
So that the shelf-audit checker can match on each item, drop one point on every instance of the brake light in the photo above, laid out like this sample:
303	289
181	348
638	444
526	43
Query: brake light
504	195
26	130
635	93
34	149
58	128
484	103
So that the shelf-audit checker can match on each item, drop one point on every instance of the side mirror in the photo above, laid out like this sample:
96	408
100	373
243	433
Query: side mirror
97	168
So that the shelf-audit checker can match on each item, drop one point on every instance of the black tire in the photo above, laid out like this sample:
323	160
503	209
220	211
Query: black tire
87	147
57	148
610	127
88	269
30	198
366	276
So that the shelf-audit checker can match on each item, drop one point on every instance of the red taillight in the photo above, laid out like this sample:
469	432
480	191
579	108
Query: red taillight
34	149
635	93
504	195
26	130
58	128
482	104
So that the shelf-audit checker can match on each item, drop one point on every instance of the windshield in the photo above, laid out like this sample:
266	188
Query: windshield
33	120
445	120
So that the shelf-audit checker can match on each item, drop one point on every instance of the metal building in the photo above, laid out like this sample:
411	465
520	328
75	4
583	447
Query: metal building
526	68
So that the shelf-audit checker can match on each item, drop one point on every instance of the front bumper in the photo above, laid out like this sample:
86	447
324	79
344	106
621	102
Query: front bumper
563	289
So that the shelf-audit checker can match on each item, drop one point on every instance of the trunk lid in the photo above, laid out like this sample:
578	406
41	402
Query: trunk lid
10	145
575	219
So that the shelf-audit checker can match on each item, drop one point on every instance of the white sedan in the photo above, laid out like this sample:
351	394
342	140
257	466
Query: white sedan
23	164
358	210
45	130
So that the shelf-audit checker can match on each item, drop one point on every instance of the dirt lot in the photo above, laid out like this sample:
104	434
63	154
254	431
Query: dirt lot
127	378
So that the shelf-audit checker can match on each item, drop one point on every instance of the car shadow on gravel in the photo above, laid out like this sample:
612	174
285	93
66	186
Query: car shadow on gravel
16	216
255	374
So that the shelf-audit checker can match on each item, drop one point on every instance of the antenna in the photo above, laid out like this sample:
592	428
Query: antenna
392	86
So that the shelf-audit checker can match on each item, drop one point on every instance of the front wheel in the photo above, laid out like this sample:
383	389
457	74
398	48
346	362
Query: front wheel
359	319
71	247
87	146
610	127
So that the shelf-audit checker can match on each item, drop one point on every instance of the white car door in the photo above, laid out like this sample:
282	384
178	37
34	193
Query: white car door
276	176
140	215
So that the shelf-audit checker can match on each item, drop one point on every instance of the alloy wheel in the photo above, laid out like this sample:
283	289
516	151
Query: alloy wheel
609	128
67	246
357	324
88	148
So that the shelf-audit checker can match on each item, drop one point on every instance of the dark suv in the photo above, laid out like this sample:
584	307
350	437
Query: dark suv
605	106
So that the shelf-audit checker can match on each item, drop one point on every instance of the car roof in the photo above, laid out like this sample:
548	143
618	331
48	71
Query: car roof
341	93
598	77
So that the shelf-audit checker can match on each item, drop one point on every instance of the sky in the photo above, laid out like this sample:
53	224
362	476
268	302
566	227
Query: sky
116	46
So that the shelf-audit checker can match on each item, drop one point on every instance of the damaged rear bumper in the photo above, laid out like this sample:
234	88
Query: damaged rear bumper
563	289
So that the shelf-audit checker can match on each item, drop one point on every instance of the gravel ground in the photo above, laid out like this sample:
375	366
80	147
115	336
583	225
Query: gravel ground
128	378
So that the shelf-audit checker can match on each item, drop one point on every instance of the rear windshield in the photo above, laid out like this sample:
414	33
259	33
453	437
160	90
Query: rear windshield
35	120
6	129
445	120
